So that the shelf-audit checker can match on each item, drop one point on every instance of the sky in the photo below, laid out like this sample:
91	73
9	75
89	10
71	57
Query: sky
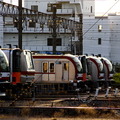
11	1
101	6
109	6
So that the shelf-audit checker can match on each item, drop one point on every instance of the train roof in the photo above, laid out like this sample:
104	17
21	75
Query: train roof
13	49
53	55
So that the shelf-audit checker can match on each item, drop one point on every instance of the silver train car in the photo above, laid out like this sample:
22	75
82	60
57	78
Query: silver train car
19	70
57	72
95	73
99	71
108	71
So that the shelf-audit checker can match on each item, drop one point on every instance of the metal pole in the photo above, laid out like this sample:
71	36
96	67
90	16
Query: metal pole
71	46
81	34
20	25
54	35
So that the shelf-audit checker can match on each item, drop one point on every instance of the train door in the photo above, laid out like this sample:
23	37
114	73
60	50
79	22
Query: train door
58	71
62	71
65	70
48	71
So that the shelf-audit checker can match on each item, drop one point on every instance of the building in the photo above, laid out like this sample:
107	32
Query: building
100	34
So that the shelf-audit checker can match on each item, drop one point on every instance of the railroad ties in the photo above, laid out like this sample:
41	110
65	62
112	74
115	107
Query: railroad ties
99	99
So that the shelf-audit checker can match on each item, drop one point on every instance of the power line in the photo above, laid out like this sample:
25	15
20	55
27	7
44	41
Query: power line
101	16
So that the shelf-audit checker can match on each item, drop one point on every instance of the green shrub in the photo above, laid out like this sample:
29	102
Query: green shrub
116	77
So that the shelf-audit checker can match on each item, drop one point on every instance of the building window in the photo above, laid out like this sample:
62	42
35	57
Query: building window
50	7
99	41
99	28
91	10
15	23
50	41
32	23
34	7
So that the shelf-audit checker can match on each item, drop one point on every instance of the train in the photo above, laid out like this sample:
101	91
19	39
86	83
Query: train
94	71
51	74
18	72
99	72
59	73
108	71
72	72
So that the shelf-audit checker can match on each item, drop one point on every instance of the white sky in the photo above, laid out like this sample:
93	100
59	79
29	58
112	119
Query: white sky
101	6
11	1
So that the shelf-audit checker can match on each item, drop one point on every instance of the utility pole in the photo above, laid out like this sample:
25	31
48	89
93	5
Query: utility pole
54	35
20	24
81	34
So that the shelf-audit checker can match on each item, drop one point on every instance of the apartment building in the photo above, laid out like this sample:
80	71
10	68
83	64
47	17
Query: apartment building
100	34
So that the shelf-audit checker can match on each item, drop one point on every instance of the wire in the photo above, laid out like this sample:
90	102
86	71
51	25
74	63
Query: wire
101	17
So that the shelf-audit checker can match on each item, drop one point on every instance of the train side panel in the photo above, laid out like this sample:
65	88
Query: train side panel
54	70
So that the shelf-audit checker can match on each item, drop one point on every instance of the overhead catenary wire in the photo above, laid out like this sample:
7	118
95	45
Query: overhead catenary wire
101	17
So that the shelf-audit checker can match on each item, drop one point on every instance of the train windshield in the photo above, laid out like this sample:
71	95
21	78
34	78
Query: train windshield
29	60
4	65
98	62
108	63
100	65
78	64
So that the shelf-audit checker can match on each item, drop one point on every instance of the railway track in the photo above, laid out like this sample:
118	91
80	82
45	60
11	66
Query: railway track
107	100
53	99
62	104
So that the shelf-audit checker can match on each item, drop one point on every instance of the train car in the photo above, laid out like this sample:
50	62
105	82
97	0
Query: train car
19	72
57	73
108	71
94	71
83	61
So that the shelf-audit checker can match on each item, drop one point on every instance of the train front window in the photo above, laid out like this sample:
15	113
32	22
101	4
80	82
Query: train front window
108	63
78	64
16	60
4	65
100	65
29	60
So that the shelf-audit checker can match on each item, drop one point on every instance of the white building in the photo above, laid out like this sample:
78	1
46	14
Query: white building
38	38
100	34
97	36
